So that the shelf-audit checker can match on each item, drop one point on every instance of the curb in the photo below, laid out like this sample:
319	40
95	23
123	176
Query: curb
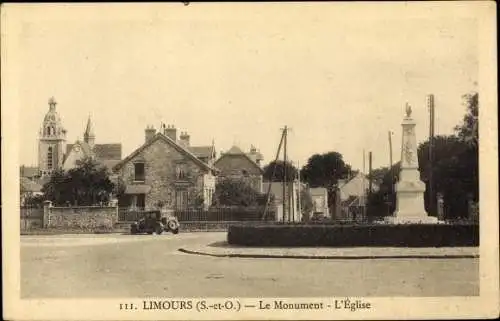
329	257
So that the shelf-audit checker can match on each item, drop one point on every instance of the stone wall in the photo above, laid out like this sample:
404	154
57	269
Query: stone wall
83	217
160	161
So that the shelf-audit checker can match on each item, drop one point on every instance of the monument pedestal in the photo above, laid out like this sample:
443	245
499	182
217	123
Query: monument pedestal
410	189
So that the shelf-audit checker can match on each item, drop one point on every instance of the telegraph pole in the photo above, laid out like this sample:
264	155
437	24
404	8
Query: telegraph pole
272	176
364	187
298	192
430	105
284	173
391	175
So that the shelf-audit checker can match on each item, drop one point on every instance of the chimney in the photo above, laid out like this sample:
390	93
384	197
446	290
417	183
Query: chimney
171	132
149	133
184	139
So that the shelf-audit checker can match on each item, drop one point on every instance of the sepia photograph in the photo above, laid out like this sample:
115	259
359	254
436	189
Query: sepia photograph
297	160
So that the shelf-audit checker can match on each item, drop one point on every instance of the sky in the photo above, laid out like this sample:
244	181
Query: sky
338	75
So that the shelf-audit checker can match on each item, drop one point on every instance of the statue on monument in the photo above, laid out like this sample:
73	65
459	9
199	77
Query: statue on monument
408	110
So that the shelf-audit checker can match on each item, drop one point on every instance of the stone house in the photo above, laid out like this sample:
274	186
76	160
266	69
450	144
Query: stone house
169	170
236	164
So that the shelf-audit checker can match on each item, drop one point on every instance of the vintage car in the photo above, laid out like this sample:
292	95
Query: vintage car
155	222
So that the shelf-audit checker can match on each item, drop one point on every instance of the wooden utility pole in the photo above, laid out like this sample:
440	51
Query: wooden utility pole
364	187
272	176
370	180
298	192
285	209
430	104
390	155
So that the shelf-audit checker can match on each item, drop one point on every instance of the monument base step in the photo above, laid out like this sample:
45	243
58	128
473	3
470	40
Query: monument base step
411	220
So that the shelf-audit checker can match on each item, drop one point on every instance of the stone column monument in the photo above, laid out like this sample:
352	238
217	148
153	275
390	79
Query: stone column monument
410	189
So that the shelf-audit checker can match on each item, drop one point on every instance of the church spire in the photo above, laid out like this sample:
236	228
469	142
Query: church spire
52	104
88	135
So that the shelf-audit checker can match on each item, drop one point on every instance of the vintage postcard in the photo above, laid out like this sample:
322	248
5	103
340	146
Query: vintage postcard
235	161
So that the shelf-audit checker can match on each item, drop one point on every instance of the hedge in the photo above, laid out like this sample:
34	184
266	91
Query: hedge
403	235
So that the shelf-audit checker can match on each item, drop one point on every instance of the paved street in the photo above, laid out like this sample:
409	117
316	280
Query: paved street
107	266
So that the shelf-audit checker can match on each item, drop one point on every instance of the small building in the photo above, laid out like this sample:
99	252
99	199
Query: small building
291	194
167	170
319	197
236	164
351	196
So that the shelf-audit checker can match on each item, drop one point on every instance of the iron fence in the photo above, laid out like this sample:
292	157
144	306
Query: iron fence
219	214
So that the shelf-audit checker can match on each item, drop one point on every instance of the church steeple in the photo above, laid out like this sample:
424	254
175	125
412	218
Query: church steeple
52	140
88	135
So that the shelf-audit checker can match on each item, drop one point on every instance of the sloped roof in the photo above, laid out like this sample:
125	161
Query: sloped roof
355	186
28	171
202	151
236	151
108	151
27	185
168	140
101	151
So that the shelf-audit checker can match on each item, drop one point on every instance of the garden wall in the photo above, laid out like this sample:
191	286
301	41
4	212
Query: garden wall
88	218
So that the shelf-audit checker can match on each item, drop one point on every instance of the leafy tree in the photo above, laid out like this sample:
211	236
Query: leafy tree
278	168
324	171
235	192
468	131
87	184
454	173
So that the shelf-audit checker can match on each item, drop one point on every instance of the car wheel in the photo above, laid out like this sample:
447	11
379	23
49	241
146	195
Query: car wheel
175	231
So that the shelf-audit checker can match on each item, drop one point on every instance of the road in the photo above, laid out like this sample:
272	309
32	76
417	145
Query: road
110	266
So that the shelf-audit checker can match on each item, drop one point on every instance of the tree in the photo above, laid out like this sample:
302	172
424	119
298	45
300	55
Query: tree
468	131
377	175
87	184
278	168
235	192
454	173
325	170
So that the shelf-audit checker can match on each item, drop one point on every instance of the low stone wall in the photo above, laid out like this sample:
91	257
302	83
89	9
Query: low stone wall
89	218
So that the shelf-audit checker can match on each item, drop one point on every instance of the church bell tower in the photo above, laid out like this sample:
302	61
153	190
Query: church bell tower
51	141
